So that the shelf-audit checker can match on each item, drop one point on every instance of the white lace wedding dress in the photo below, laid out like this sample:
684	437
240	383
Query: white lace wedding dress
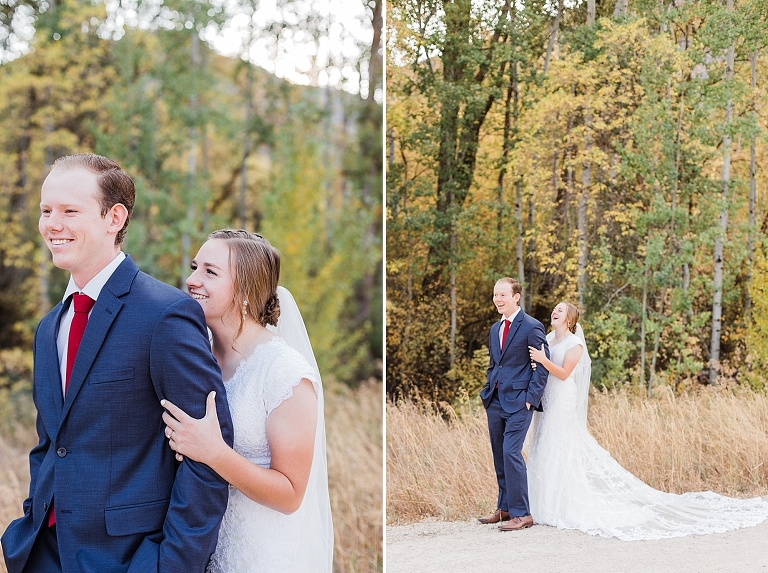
575	484
254	538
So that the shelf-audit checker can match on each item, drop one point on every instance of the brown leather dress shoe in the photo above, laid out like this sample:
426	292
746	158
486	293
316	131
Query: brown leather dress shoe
517	523
495	517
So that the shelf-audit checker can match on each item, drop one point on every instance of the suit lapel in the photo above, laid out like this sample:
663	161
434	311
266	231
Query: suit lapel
104	313
513	328
49	374
495	349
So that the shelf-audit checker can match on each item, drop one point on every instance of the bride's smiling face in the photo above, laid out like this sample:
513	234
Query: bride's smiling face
559	315
211	283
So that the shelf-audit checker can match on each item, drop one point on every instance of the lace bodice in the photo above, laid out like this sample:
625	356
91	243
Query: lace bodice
574	483
566	388
558	351
254	538
259	385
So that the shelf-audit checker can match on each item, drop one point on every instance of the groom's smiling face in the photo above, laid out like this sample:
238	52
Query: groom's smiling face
506	302
80	237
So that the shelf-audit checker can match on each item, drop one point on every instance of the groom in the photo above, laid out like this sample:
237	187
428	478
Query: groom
107	494
513	391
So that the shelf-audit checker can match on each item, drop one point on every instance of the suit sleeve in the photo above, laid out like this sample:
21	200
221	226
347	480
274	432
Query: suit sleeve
184	371
537	337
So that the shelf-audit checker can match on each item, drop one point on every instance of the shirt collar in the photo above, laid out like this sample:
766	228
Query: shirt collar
512	317
94	286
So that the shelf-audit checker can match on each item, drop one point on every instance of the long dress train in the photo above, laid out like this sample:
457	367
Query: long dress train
576	484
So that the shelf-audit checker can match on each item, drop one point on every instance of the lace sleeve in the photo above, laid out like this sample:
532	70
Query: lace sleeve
286	371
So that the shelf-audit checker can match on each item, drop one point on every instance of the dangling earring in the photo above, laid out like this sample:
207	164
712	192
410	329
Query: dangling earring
245	309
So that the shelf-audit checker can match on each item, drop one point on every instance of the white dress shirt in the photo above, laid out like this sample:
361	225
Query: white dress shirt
501	330
92	289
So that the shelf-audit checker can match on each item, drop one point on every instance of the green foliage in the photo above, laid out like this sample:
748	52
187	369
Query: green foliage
208	147
618	143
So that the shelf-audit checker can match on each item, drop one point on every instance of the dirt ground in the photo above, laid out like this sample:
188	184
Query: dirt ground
468	547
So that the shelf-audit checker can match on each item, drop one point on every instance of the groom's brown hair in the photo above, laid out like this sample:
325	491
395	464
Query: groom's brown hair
516	286
115	185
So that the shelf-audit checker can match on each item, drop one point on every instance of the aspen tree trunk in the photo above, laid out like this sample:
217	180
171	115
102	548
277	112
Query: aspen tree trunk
186	240
248	120
519	216
453	294
586	181
643	318
504	158
371	118
532	254
44	301
620	9
553	35
656	346
375	63
518	187
752	200
717	298
590	12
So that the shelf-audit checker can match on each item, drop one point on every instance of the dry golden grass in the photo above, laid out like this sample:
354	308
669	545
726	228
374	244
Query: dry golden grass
353	425
706	440
354	438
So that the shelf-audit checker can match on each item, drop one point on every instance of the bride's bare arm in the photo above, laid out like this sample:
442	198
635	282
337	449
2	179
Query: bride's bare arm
291	435
569	362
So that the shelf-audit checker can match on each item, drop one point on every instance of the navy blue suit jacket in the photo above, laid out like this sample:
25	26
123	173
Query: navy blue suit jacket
511	369
122	501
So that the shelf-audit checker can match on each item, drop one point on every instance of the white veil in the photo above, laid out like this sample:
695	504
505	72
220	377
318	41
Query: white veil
314	514
582	375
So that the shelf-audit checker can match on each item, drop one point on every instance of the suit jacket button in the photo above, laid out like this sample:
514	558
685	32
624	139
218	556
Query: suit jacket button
45	507
61	452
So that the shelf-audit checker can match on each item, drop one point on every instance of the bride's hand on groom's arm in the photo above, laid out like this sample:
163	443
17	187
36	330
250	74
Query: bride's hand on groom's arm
199	440
537	355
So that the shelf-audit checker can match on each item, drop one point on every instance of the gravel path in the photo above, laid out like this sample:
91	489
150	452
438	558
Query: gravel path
459	547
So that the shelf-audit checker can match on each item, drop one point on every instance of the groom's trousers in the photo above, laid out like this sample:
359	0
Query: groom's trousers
507	432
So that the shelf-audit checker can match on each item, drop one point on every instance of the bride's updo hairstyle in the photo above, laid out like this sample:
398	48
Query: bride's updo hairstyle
571	316
255	266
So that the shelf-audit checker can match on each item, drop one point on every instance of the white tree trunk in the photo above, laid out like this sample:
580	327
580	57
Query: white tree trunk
186	241
553	35
519	216
752	201
717	286
586	181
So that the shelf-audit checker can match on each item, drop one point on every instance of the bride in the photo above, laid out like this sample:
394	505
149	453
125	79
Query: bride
278	518
576	484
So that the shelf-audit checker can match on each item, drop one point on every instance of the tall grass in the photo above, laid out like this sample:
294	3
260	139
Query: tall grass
439	462
355	473
353	422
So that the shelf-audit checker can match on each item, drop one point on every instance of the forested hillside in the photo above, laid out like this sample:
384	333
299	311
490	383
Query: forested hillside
211	142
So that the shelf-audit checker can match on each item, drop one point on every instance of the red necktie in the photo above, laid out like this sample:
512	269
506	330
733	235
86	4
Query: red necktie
507	324
83	305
